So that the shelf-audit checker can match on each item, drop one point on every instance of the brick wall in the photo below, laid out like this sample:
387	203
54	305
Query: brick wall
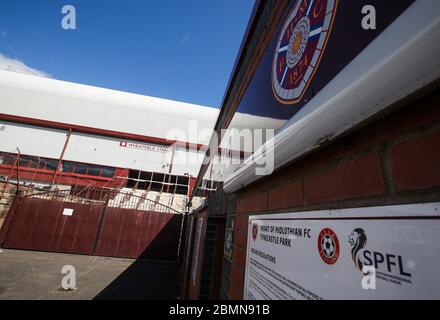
395	160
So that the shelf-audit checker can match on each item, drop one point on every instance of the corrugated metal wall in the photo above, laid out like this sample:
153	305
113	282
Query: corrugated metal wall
139	234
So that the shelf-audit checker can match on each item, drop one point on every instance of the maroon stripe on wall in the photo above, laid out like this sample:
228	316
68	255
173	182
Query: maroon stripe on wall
97	131
111	133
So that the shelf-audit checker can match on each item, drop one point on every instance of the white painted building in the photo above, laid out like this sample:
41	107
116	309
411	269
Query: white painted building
100	134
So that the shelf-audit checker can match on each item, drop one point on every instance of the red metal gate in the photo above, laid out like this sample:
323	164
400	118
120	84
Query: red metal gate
39	224
133	234
98	225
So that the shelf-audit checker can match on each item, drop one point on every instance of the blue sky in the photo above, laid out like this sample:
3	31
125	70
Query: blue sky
180	50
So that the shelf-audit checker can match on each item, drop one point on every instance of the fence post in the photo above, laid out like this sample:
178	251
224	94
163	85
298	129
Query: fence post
18	171
6	185
101	222
9	216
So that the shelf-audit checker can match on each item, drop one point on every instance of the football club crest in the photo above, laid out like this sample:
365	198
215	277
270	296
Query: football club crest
328	246
254	232
300	47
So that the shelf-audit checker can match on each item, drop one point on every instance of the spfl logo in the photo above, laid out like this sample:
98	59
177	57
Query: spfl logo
389	266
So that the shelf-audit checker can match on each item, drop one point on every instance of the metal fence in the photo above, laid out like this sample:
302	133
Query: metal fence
113	198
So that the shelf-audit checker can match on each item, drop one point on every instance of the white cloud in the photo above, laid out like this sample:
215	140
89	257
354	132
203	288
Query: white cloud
186	37
15	65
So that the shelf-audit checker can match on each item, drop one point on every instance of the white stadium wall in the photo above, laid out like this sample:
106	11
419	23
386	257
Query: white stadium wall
31	140
68	103
110	128
106	151
115	152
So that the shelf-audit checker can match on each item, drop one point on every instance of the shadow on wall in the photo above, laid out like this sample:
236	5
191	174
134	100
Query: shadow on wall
135	234
147	279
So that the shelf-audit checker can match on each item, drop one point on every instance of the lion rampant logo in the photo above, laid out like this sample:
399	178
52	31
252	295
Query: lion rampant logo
357	240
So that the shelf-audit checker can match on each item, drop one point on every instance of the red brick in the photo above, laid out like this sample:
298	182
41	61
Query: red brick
241	222
257	202
286	196
237	276
241	205
234	293
253	202
240	239
422	112
403	121
245	232
415	163
350	179
239	257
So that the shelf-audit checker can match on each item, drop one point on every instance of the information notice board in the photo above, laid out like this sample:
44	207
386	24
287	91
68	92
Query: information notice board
390	252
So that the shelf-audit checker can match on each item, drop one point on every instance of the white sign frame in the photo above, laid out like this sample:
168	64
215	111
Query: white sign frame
68	212
414	213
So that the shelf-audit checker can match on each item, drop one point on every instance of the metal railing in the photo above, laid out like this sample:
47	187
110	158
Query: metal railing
112	198
18	177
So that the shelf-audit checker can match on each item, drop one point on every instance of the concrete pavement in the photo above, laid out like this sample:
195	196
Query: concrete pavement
37	276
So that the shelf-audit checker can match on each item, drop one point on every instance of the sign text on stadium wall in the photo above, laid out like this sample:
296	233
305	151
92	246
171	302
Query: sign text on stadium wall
145	147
